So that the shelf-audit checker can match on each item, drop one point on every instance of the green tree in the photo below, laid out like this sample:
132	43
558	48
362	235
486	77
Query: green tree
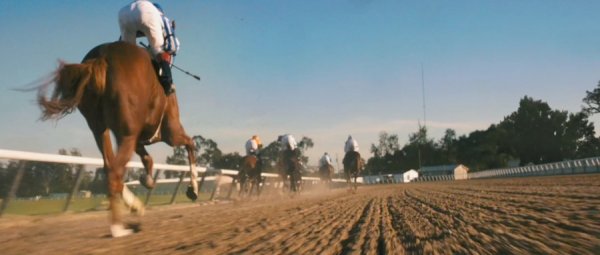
269	155
179	157
303	146
207	149
388	145
423	147
484	149
42	178
7	174
538	132
579	139
447	145
386	155
99	184
592	100
228	161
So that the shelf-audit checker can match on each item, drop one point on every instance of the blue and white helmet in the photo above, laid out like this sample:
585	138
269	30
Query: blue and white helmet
158	7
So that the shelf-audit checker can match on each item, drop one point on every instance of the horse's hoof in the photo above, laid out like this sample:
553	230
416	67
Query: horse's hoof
118	230
190	194
147	181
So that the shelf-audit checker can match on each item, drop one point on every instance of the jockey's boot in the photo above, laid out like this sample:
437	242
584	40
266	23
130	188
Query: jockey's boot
164	72
165	77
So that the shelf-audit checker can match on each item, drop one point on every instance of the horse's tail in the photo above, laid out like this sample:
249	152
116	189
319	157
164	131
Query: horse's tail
70	82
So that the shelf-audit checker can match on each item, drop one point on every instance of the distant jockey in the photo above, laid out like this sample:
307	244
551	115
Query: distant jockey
325	161
253	145
350	148
288	153
143	18
287	142
351	145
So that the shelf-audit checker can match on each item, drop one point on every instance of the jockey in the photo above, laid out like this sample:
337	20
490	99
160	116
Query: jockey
350	146
288	149
287	142
253	145
325	160
144	18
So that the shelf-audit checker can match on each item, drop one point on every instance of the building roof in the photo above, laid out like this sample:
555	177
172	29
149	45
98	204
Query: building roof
438	168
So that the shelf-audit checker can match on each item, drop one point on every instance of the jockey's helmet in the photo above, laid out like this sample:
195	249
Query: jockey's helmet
256	139
158	7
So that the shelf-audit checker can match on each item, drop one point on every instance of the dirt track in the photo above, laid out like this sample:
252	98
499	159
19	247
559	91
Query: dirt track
548	215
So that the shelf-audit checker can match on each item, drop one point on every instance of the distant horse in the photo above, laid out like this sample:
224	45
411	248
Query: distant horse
289	165
117	90
326	173
353	165
249	175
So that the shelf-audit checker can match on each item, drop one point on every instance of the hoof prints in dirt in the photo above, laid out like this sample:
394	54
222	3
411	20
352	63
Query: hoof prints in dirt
556	215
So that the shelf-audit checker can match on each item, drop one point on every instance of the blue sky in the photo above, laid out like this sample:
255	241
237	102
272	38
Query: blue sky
322	69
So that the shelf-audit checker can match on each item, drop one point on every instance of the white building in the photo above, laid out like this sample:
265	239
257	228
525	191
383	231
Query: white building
461	172
410	175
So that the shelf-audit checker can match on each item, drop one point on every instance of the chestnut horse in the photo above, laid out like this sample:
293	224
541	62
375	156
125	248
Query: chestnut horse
116	89
250	173
353	165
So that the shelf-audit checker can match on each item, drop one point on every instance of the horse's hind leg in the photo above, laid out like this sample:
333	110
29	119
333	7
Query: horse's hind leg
258	181
255	184
146	179
348	179
104	144
192	191
116	186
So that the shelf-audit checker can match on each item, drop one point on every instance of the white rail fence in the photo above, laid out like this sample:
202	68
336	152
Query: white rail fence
579	166
269	179
569	167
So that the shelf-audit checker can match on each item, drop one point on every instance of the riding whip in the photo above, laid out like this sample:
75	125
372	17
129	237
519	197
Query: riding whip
176	67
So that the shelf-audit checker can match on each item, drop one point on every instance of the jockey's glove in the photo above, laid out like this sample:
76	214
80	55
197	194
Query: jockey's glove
163	57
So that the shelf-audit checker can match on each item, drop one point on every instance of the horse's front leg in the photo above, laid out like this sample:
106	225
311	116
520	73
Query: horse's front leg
242	180
145	179
283	178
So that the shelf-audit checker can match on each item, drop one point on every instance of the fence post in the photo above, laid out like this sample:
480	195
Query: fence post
14	187
231	188
202	181
150	191
572	166
181	176
216	186
74	190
